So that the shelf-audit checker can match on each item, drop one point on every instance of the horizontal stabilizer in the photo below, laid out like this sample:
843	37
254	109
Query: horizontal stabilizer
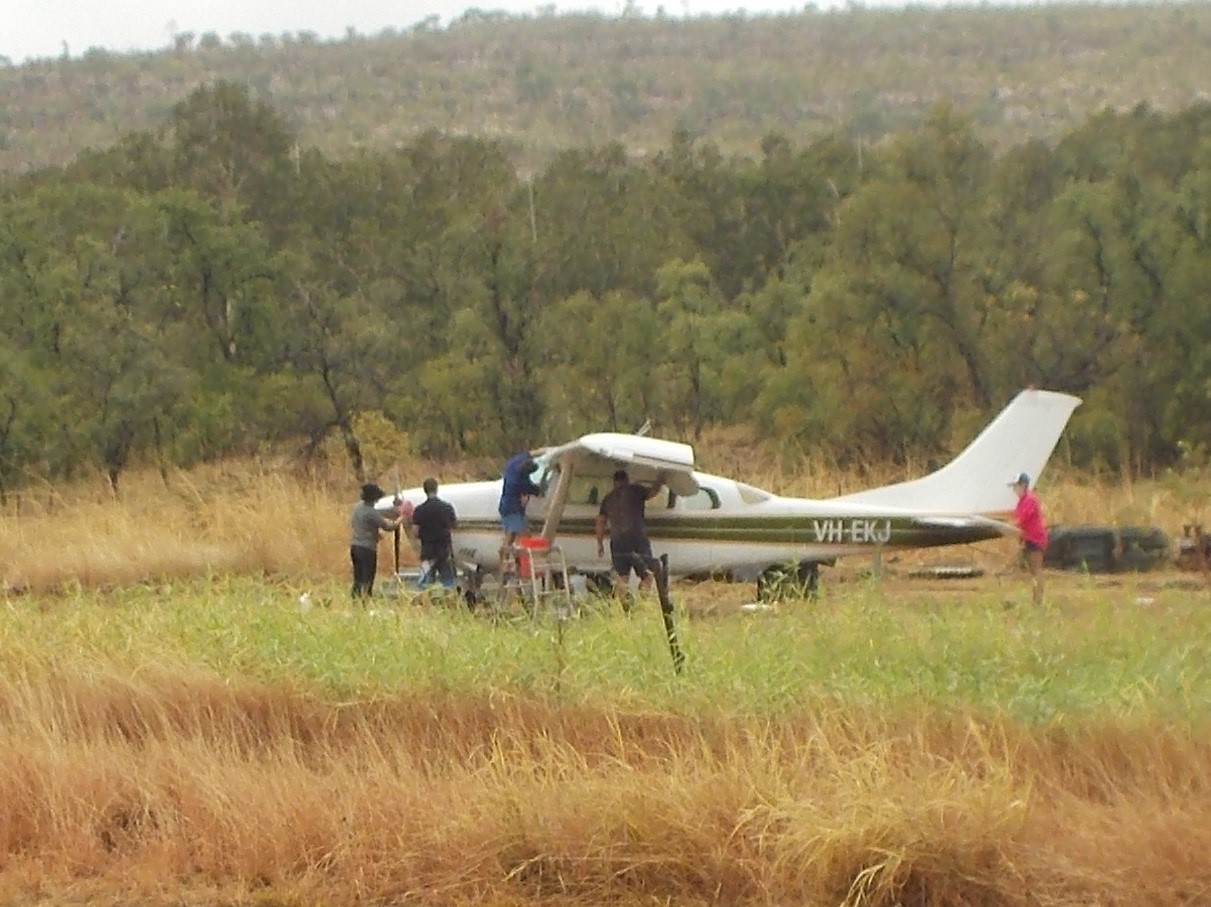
971	522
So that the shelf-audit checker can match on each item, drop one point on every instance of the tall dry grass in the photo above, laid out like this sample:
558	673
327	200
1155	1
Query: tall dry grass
243	518
171	788
268	518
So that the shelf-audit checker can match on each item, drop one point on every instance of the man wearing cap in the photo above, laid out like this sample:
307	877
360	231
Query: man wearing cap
622	510
365	525
1029	517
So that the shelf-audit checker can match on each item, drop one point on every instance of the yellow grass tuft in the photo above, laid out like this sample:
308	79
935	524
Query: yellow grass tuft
246	520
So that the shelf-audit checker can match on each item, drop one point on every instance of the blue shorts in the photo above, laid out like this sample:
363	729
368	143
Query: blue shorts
513	522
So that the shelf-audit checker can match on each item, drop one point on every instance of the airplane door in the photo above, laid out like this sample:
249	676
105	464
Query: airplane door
575	533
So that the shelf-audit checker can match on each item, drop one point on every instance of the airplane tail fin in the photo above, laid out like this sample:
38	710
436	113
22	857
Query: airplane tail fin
1019	440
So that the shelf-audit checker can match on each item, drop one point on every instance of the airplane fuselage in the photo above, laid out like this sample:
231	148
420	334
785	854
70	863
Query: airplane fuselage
726	527
710	524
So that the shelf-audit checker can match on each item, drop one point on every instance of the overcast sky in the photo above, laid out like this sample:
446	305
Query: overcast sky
31	29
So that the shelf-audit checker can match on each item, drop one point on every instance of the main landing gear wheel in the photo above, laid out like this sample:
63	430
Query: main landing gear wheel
789	582
599	583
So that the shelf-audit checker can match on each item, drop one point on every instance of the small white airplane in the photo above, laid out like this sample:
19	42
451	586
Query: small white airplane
709	524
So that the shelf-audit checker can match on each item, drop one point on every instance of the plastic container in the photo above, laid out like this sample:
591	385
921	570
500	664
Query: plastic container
527	546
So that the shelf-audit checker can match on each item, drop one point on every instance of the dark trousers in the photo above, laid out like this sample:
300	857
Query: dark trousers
365	565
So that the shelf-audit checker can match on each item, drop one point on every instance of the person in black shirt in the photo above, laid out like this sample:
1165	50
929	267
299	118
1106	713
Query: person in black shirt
434	520
622	511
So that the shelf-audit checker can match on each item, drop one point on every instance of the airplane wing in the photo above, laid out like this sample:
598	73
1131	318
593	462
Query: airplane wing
643	458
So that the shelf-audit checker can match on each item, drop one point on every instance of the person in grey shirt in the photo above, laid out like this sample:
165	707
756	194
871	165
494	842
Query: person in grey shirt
365	526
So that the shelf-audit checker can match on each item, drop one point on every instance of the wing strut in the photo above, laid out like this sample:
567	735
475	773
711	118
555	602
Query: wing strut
558	501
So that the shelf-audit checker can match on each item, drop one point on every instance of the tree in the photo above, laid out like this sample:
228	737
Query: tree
601	358
496	286
128	392
1184	249
214	276
233	150
602	224
335	362
788	201
696	343
26	417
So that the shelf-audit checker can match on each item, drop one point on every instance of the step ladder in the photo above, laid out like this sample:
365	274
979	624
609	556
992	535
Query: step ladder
536	572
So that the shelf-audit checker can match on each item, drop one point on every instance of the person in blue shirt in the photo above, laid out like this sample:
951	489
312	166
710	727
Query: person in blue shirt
514	493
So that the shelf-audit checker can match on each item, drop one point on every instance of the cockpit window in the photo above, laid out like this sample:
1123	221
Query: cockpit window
751	495
590	490
703	499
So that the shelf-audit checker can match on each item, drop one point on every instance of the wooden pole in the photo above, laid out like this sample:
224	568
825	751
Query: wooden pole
661	569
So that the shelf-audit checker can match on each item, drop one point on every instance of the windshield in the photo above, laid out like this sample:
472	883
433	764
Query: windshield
546	475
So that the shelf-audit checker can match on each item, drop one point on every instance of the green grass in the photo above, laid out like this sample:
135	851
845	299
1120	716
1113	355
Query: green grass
1096	654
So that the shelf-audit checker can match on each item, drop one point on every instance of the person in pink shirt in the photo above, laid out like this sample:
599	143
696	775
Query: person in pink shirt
1033	531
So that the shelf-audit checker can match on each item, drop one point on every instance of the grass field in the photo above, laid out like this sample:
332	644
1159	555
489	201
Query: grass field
214	741
177	728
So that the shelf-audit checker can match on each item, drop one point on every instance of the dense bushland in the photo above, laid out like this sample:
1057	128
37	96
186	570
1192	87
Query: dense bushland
211	288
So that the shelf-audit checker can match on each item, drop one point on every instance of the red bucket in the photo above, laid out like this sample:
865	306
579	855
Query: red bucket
527	545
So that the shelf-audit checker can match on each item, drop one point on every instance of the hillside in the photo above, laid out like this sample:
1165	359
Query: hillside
550	81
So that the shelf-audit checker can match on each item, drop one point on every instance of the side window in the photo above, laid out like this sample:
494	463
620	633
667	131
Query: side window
586	490
703	499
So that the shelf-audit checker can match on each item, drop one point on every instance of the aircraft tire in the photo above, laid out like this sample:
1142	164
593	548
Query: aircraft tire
600	582
789	582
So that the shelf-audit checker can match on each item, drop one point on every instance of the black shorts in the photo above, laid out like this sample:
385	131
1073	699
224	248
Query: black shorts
1031	547
631	554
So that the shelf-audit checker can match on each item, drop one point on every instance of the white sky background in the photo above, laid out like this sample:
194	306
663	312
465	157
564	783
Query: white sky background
38	29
